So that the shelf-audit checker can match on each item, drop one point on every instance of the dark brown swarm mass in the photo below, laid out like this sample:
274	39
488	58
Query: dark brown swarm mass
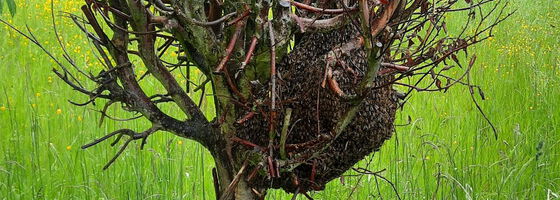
316	111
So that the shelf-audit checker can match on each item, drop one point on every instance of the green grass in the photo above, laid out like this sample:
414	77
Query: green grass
448	151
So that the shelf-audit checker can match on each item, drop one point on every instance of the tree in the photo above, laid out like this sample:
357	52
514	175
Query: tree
302	89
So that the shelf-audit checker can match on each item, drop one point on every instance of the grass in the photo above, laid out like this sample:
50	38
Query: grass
447	152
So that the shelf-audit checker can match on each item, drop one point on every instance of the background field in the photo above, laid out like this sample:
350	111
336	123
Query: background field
447	152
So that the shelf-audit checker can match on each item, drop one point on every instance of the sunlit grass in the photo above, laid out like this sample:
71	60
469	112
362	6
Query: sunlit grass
447	152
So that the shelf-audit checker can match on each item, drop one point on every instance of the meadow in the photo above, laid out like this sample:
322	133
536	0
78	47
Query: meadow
447	150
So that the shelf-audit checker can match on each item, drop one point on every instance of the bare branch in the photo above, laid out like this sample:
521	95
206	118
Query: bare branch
131	137
323	10
151	61
307	24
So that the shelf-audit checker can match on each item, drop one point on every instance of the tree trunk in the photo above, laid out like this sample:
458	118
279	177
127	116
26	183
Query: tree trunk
230	183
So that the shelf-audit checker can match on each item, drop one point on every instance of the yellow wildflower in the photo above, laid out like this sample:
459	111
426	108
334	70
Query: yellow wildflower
37	94
180	142
3	108
59	111
68	147
79	118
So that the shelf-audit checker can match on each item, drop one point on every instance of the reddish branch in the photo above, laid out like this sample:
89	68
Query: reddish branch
380	23
332	58
390	68
306	24
230	47
272	80
247	143
313	172
333	85
253	173
400	68
249	54
271	167
305	145
241	17
322	10
233	87
246	117
272	123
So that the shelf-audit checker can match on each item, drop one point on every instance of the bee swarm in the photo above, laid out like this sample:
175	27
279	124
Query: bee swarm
313	158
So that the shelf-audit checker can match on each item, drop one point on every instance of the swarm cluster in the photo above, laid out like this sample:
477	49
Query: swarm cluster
317	109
